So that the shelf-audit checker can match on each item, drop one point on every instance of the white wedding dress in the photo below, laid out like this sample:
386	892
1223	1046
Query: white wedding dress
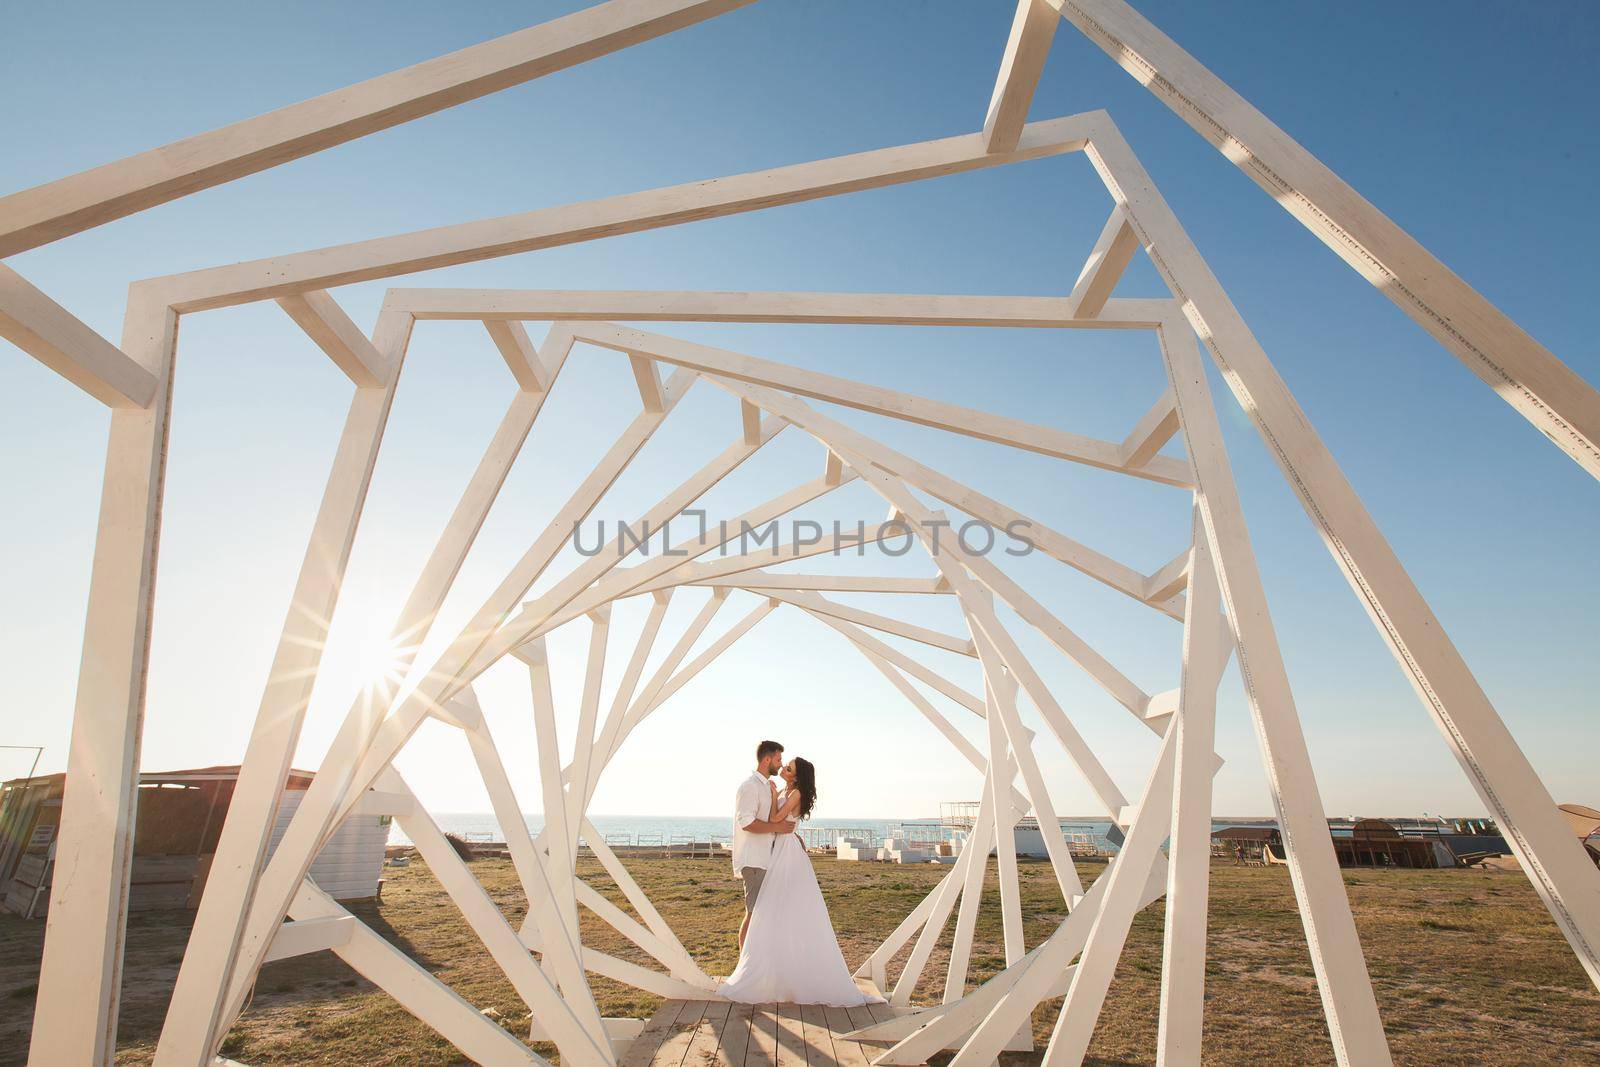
790	954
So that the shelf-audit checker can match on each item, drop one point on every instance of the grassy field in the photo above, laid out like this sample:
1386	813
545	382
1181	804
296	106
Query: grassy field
1467	966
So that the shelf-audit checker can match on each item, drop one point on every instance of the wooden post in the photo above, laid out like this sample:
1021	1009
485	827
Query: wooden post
80	977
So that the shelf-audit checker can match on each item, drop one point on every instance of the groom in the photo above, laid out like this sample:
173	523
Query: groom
752	833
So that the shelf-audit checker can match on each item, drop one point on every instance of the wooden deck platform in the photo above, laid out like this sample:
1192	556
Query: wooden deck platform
717	1033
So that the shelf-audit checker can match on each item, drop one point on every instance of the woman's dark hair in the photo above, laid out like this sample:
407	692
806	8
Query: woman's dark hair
805	780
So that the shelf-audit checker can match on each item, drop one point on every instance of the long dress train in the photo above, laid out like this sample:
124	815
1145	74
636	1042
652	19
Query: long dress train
791	955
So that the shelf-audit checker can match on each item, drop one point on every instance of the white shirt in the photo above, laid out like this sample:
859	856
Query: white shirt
753	801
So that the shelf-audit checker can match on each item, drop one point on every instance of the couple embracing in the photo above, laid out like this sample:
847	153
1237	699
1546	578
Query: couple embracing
787	950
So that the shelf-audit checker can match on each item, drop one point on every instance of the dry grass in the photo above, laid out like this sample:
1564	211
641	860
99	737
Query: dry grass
1467	965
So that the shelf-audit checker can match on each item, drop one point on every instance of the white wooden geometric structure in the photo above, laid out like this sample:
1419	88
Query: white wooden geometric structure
1213	588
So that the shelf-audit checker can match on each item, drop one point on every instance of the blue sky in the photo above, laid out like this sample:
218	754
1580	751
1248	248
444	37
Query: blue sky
1472	127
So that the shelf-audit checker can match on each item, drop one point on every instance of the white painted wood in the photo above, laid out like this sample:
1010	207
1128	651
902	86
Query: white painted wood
1347	999
311	935
419	992
521	357
1169	578
1183	958
570	1014
888	653
326	323
1026	48
1004	689
961	646
333	794
55	337
196	1020
1522	372
648	378
588	716
878	400
978	844
621	700
1561	873
980	615
881	309
1086	995
91	198
80	975
384	257
688	970
1151	433
943	899
750	422
563	849
1112	252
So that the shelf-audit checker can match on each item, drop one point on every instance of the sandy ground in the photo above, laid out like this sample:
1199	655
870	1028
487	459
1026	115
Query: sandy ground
1467	967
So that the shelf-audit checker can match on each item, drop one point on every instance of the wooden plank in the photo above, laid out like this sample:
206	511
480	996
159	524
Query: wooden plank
735	1036
643	1049
861	309
470	242
819	1039
326	323
1151	432
80	975
61	341
861	1015
1523	372
714	1023
1565	879
1112	252
675	1044
196	1017
91	198
763	1048
1029	43
879	400
791	1036
520	355
848	1053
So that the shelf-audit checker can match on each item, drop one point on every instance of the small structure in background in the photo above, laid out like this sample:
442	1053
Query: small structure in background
180	820
1244	844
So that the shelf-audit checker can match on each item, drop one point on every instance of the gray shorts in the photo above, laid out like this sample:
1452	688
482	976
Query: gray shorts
752	885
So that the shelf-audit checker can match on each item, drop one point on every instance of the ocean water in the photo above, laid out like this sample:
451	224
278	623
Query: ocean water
678	829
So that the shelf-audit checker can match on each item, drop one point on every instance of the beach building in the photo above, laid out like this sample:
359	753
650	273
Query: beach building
180	820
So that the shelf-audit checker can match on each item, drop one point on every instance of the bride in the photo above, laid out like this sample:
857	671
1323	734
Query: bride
790	954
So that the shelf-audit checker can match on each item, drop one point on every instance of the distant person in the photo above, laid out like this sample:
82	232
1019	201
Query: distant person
788	952
1238	854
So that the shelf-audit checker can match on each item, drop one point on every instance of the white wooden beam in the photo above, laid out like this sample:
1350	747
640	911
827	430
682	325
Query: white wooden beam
861	309
1029	43
469	242
648	378
521	357
90	198
1183	958
320	812
1113	251
311	935
80	975
750	421
55	337
1169	579
878	400
325	322
1521	371
417	991
961	646
1565	879
196	1019
1347	999
760	582
1151	432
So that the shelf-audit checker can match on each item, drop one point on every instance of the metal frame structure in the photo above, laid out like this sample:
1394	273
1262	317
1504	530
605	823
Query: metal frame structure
1213	587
